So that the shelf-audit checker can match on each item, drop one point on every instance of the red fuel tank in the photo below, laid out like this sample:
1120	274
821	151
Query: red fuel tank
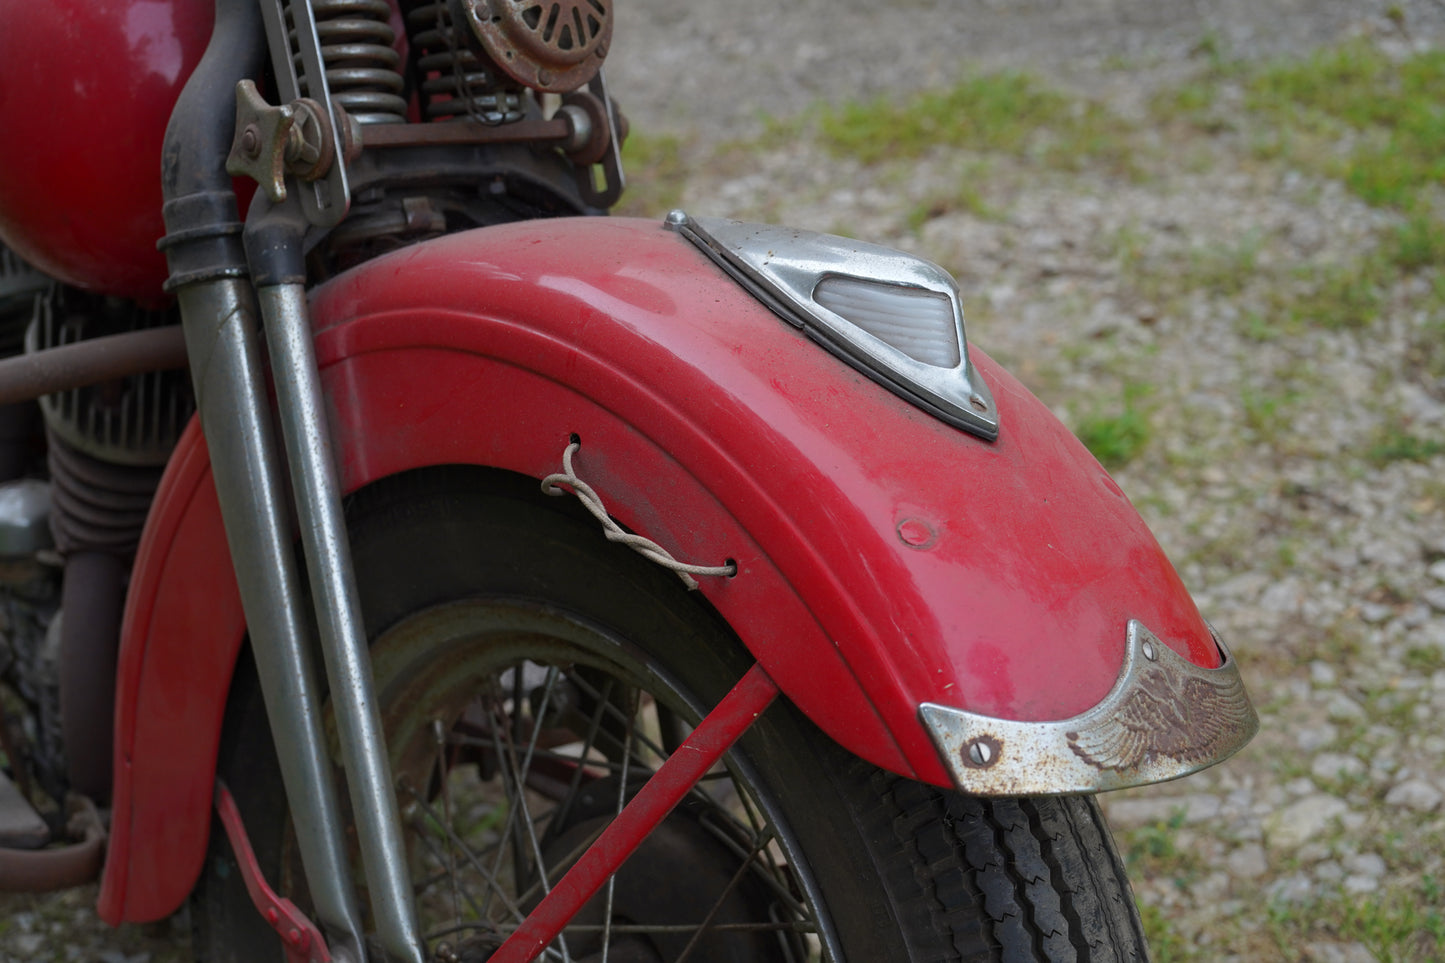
86	91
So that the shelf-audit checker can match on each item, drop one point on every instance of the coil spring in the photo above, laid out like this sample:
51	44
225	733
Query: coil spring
456	82
362	68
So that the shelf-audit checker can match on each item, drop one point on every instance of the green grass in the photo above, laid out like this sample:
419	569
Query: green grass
1165	945
1118	437
656	174
1338	296
967	197
1404	924
1007	113
1397	444
1389	114
1418	244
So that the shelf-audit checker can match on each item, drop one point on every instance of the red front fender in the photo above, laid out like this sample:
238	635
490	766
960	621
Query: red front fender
885	559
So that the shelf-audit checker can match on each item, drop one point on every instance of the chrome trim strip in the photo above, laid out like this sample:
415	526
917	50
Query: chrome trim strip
782	267
1164	718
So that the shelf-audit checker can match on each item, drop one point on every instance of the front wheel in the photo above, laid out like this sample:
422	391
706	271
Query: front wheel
532	675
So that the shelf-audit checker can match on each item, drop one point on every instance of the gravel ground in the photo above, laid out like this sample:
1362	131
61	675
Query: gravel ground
1323	565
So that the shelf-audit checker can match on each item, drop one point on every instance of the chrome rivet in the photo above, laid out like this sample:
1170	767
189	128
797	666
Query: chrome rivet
676	217
1149	653
978	403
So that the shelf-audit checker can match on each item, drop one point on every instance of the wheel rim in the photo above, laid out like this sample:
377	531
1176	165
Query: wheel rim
544	726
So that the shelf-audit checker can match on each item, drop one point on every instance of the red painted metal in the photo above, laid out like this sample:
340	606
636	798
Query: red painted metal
302	940
885	559
673	780
89	86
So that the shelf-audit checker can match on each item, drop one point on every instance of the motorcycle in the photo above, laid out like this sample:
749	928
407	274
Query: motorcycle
684	590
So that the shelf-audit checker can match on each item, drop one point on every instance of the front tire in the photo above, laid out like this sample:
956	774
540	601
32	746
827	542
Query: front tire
530	673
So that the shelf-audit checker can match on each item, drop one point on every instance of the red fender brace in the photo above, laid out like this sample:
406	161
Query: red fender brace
885	559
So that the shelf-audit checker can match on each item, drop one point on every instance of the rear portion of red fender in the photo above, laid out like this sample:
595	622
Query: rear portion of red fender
884	559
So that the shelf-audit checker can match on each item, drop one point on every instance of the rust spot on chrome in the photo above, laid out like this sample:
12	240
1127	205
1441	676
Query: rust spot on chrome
1186	719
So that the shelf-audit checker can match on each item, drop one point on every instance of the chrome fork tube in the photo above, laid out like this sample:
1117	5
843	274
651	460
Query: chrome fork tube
338	613
219	317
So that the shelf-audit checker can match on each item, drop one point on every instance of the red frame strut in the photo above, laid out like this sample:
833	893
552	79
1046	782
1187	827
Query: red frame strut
672	781
303	941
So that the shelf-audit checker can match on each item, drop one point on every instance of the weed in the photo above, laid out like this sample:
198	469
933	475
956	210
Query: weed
1397	926
1009	113
1224	270
1338	296
1396	444
1424	659
1267	413
1258	327
657	174
1165	945
1418	243
966	198
1153	851
1117	439
1390	114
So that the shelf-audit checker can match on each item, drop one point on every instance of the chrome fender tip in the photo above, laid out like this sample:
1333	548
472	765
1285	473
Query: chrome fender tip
1164	718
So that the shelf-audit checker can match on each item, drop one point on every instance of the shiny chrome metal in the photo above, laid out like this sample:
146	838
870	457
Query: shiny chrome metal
327	199
338	614
784	268
219	318
24	517
1164	718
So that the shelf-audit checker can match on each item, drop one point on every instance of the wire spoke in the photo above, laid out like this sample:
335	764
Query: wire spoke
559	749
494	885
519	780
621	801
722	897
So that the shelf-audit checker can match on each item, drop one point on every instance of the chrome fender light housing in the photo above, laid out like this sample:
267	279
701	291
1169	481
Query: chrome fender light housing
893	316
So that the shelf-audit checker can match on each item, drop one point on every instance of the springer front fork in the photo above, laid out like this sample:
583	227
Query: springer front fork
228	281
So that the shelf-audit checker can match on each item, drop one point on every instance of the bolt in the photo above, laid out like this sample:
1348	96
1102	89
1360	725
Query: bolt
602	50
544	77
978	403
294	936
251	142
272	916
677	217
1149	653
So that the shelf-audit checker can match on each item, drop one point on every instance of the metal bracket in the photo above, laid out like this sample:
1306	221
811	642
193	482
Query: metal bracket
303	941
325	199
611	159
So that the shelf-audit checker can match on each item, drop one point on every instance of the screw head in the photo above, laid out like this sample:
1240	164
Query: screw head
978	403
981	753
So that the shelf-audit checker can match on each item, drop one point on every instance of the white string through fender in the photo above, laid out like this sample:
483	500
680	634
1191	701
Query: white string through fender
646	547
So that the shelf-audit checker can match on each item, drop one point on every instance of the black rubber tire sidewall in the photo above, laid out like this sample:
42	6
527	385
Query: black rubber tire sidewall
887	855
